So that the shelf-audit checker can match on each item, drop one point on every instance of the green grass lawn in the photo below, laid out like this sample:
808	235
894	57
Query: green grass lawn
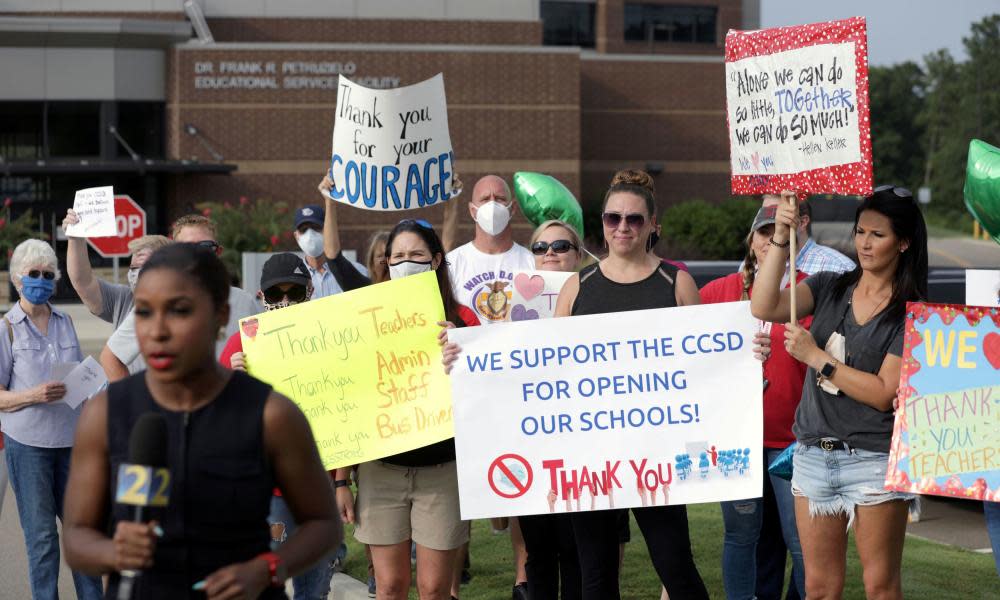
930	571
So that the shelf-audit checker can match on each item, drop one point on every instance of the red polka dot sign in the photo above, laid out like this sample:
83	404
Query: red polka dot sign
797	108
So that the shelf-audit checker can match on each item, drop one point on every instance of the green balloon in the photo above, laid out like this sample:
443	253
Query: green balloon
543	198
982	186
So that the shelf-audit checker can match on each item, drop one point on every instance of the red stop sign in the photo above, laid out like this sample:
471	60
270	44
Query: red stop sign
131	221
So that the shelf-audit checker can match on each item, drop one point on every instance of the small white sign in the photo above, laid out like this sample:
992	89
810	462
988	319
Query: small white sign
85	380
96	209
982	287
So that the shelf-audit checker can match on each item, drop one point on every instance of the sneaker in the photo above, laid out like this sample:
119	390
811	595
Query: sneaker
413	554
371	587
520	592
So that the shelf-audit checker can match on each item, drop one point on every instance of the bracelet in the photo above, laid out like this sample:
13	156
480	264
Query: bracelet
777	245
339	483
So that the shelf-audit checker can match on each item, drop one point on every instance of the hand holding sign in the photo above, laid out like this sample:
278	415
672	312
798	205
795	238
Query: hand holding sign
94	209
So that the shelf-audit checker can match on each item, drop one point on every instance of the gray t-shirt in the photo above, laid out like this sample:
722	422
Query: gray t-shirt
116	302
823	415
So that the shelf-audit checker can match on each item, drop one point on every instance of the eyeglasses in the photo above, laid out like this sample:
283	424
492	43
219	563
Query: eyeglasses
418	222
901	192
35	274
612	220
307	226
209	244
274	294
558	246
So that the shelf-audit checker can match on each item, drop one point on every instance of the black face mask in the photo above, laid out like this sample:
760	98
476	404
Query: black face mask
651	242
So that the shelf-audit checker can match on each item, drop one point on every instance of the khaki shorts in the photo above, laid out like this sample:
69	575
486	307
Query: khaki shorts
396	504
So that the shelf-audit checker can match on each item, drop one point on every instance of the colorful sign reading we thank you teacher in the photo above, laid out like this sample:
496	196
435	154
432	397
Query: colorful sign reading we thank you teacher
391	148
364	366
642	408
797	106
946	439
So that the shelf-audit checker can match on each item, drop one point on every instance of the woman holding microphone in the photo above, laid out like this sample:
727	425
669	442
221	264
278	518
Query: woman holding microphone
844	421
231	440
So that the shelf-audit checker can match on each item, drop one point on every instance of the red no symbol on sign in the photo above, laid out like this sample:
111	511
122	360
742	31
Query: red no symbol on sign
130	219
510	476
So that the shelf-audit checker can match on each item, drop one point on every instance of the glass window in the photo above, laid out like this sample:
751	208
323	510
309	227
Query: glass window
665	23
74	129
568	23
141	125
21	130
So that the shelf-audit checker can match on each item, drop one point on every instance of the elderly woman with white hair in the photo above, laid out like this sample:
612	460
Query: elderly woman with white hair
37	426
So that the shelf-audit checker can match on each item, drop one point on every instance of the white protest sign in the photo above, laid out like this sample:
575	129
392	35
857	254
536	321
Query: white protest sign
535	294
85	380
982	287
391	148
96	209
797	108
602	411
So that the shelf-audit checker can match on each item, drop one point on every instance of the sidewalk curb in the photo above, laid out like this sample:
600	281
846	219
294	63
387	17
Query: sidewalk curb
345	587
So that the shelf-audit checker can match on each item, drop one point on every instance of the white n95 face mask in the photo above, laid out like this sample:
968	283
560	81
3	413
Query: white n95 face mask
311	243
407	268
493	217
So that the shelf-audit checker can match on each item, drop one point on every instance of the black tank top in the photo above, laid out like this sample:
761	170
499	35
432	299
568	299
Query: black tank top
220	488
598	294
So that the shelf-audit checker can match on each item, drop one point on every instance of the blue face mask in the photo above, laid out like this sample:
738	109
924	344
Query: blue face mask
37	290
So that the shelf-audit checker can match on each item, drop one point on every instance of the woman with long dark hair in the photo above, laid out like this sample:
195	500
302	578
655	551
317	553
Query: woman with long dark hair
230	440
844	421
412	495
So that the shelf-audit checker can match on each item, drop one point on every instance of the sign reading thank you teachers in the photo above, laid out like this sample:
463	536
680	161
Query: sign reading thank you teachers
364	367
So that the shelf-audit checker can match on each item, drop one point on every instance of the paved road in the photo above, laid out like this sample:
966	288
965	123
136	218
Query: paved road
14	562
963	252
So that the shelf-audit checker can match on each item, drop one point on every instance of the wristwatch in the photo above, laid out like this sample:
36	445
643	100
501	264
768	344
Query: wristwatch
827	371
339	483
275	569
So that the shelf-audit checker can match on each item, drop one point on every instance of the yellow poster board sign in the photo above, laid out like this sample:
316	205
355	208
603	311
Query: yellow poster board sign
364	367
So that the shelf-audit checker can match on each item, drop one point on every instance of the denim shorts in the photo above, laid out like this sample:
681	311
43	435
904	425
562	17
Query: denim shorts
835	481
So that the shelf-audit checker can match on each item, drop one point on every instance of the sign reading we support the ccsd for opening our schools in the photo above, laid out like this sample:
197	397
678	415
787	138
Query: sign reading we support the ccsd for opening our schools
642	408
797	106
946	439
364	366
391	148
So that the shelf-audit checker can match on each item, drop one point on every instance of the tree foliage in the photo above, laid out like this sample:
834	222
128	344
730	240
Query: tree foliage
924	116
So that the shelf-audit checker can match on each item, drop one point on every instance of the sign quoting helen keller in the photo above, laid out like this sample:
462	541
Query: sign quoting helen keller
797	107
364	366
591	413
946	439
391	148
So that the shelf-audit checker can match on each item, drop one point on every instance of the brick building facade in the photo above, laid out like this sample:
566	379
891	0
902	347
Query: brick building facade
643	88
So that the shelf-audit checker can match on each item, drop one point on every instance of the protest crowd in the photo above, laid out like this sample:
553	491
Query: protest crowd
253	499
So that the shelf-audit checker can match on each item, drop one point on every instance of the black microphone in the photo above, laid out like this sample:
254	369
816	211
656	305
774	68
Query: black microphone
144	480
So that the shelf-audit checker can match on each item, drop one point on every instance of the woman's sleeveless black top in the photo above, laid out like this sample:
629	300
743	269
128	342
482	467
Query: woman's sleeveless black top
220	488
598	294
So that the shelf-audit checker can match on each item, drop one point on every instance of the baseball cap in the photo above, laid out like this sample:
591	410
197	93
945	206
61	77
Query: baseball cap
311	213
765	217
284	268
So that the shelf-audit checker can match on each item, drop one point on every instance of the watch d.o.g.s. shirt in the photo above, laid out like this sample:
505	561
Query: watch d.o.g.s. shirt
483	282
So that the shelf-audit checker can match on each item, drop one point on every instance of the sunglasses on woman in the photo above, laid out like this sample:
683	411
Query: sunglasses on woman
209	244
558	246
634	220
35	274
900	192
274	294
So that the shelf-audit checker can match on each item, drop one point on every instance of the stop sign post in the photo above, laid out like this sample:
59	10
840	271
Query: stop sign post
130	219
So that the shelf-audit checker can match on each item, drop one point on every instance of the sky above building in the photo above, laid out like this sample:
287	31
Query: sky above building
898	30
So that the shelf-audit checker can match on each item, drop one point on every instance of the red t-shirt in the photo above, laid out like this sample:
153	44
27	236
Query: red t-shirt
783	373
